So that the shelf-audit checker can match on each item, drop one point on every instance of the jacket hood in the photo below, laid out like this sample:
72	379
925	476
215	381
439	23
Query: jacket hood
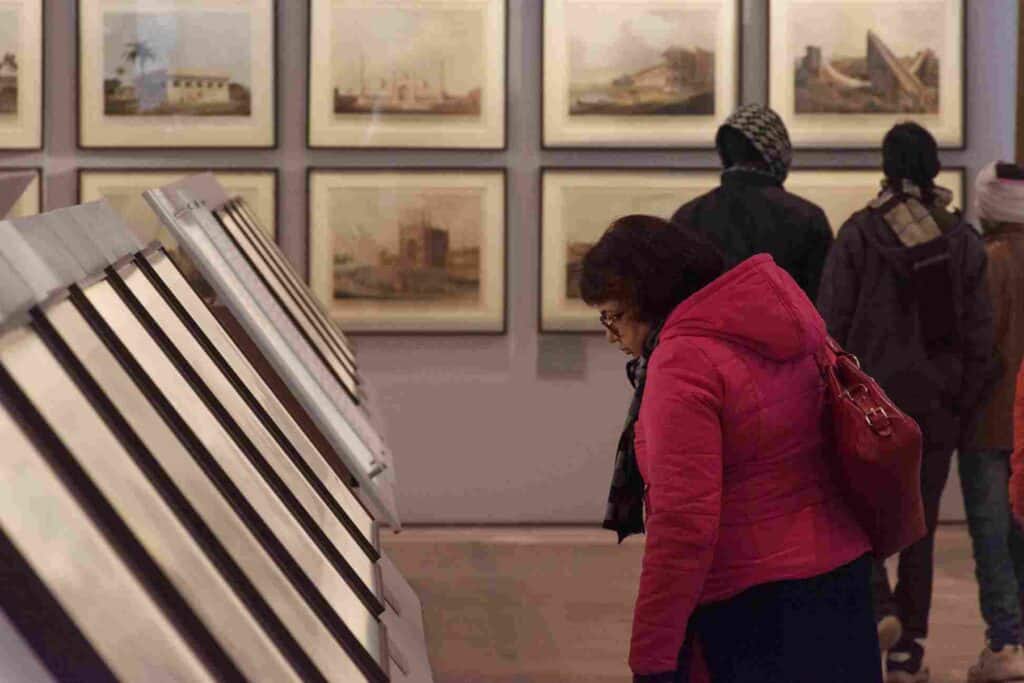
756	305
880	237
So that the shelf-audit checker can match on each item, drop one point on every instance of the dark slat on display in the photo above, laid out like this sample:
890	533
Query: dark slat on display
205	328
327	355
296	287
339	608
100	591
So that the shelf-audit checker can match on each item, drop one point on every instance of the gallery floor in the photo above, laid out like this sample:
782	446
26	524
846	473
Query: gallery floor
551	604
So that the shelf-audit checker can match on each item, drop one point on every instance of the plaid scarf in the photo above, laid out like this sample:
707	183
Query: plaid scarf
624	513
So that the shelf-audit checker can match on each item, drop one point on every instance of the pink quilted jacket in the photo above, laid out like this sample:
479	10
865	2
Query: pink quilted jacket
730	445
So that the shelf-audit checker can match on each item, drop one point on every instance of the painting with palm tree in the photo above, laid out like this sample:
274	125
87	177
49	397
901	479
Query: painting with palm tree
8	62
191	63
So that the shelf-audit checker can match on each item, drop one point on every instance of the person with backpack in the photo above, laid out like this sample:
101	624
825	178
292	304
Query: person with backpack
751	212
904	290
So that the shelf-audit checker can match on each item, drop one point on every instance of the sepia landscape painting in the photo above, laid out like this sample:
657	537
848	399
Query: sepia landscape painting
123	189
867	59
413	245
417	251
9	40
578	206
641	59
184	63
413	61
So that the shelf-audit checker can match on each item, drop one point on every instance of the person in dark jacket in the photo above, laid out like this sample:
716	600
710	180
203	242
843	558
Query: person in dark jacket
904	290
750	212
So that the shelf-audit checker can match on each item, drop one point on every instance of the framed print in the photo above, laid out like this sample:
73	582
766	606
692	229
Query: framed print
123	188
577	205
409	251
639	73
176	73
21	74
842	192
842	72
31	201
407	73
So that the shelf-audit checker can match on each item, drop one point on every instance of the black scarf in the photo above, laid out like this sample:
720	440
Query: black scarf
624	513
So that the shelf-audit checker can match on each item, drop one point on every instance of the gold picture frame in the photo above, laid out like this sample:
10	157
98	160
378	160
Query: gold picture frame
842	72
31	201
21	74
639	73
177	73
407	74
420	251
123	188
577	205
840	192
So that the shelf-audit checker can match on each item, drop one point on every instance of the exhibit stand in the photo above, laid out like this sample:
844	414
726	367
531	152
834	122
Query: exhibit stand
163	514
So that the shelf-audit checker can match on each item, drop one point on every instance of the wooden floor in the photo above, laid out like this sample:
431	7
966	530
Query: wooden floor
540	605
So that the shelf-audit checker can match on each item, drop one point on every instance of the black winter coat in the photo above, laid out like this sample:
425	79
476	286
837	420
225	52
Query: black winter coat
750	213
871	309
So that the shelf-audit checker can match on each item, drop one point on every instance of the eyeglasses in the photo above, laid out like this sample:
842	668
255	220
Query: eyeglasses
609	320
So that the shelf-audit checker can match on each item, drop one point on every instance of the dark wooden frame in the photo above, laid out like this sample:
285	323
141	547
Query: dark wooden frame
425	170
275	126
964	71
544	170
309	78
188	171
632	147
42	89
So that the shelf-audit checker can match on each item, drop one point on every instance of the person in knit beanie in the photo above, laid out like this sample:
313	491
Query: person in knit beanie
985	463
750	212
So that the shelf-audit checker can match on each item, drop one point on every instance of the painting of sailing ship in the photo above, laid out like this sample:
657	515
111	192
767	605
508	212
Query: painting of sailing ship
408	60
407	245
9	25
867	59
627	59
185	63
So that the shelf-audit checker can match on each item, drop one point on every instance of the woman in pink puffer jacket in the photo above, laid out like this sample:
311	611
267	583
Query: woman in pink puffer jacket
750	549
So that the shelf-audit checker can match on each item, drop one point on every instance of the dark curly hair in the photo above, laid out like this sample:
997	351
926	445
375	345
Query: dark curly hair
649	264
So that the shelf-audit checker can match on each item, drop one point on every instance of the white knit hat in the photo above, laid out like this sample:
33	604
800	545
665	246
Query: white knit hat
1000	200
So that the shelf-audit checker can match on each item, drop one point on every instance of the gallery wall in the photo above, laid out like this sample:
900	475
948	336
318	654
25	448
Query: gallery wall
518	427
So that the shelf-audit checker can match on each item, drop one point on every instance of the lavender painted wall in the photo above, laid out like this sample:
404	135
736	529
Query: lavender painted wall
516	428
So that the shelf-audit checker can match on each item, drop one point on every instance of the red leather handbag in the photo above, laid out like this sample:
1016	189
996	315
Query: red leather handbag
878	453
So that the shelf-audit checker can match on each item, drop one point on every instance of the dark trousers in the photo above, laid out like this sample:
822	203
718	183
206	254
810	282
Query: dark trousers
799	631
911	601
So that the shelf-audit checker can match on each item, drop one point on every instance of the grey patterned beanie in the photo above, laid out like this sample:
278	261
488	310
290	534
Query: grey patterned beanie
766	131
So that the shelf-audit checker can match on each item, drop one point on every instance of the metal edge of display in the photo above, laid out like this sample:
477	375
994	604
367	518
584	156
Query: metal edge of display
184	216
